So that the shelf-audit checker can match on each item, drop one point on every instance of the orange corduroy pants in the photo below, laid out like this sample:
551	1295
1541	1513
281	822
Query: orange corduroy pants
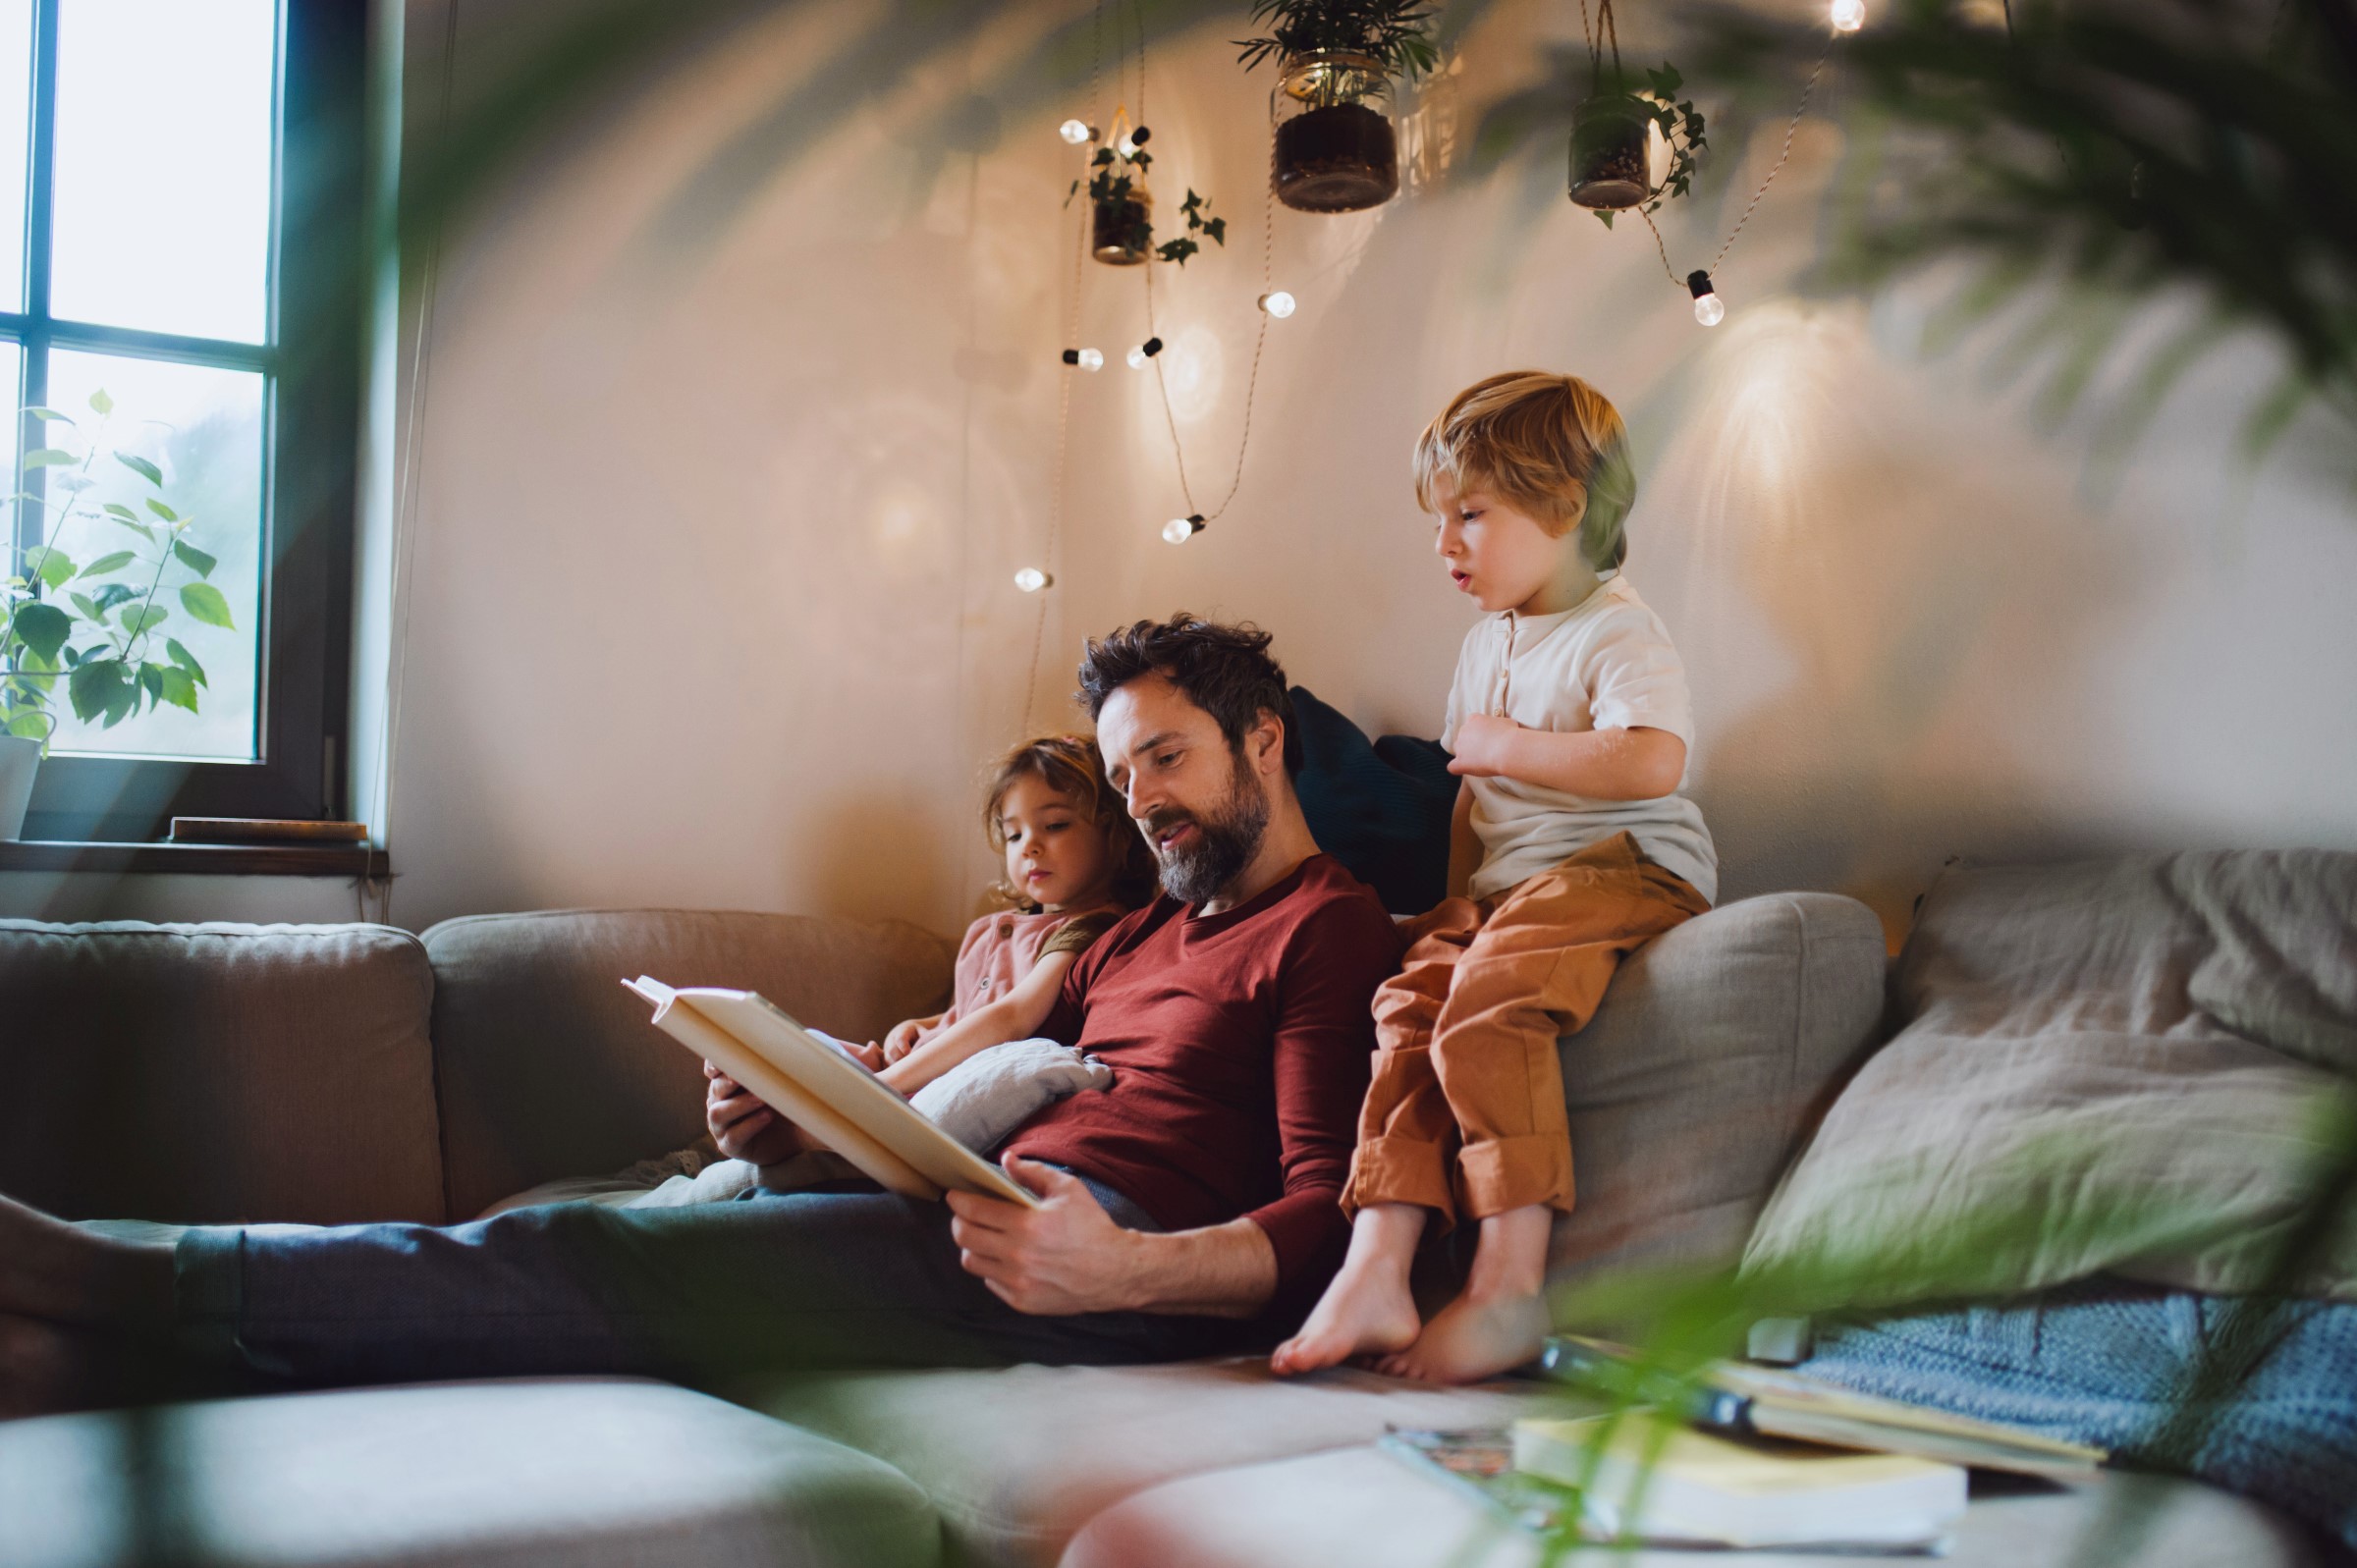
1466	1114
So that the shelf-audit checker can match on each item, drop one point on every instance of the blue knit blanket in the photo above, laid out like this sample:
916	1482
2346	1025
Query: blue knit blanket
2110	1366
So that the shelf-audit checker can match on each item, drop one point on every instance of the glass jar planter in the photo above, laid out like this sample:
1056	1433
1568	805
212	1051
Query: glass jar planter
1335	150
1121	229
1611	152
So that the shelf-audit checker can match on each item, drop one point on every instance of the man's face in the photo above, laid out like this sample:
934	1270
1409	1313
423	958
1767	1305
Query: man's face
1201	806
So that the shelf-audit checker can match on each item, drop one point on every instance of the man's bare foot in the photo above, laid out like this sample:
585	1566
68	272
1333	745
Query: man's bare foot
1367	1310
52	1268
1499	1319
47	1368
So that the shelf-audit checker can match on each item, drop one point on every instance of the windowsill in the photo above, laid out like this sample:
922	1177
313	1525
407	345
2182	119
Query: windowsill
197	860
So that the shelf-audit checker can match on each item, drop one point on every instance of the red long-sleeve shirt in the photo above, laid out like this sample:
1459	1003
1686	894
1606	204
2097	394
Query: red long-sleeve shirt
1240	1046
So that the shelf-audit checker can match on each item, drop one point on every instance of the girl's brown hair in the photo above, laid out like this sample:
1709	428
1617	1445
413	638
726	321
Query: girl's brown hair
1069	765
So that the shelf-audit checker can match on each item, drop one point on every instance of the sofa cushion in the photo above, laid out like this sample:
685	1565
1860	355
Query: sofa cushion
209	1073
1018	1459
547	1067
571	1474
1381	807
1694	1084
2135	1066
1363	1507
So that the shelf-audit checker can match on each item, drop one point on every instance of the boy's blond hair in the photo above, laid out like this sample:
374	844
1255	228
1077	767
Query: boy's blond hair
1551	446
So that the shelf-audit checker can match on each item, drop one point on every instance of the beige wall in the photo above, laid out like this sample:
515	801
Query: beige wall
707	571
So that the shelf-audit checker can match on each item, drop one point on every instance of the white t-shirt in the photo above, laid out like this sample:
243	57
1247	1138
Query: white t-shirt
1605	663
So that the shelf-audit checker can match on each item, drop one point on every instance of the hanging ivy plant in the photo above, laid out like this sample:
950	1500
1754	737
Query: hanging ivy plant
1123	229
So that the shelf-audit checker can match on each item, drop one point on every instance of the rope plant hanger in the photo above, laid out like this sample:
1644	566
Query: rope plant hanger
1612	136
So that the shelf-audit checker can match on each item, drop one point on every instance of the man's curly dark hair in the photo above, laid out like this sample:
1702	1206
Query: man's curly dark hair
1225	670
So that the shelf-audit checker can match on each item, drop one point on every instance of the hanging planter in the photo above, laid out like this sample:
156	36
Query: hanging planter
1611	152
1335	149
1121	209
1120	224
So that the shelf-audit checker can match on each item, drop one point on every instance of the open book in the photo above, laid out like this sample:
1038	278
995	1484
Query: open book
824	1092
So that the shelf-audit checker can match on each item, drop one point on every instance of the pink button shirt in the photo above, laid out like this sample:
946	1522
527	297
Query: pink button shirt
999	950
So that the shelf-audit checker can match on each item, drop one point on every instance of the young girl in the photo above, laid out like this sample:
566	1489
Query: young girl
1074	865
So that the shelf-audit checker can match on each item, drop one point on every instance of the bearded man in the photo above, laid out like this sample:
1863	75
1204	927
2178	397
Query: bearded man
1190	1208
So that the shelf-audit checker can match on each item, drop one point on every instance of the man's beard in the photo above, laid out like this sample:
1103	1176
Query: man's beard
1224	844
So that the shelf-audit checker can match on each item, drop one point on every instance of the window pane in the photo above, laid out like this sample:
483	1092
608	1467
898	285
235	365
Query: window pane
163	171
16	118
202	428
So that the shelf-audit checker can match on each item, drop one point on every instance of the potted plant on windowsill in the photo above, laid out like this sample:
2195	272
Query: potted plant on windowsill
1333	149
92	625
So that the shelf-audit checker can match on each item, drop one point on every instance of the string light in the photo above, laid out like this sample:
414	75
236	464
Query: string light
1178	530
1077	131
1144	352
1709	308
1030	579
1276	303
1848	15
1085	358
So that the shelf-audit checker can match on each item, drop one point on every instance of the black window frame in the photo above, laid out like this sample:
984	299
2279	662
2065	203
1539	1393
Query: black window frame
310	361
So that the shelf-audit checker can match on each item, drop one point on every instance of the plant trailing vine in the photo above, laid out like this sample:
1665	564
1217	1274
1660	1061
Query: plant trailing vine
1396	33
1117	185
1681	129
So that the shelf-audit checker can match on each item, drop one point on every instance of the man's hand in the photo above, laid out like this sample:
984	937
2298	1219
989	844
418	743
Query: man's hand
1065	1257
1481	745
744	1127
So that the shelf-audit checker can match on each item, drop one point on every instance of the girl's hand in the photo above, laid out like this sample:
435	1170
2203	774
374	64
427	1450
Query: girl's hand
1481	745
901	1041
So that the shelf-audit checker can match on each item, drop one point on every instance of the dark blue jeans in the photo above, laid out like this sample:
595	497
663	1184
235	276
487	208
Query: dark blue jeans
803	1280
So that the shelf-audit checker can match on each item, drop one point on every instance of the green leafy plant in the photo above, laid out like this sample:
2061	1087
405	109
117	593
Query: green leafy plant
1115	182
1396	33
92	625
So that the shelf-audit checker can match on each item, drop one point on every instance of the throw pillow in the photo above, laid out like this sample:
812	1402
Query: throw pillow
1381	807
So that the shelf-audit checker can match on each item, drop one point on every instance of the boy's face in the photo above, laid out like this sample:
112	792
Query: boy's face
1504	559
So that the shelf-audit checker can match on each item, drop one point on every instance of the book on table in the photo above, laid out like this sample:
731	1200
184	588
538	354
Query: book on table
1741	1400
1636	1477
824	1092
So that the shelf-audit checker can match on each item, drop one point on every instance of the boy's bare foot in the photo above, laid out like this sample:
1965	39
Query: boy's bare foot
1367	1310
1500	1321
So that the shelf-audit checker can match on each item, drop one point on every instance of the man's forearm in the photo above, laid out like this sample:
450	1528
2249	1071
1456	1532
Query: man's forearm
1225	1270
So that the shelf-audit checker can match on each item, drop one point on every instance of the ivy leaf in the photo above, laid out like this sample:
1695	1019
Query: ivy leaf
51	565
178	689
162	511
1178	249
1604	216
101	403
142	467
204	601
106	563
195	559
144	618
43	629
186	660
48	414
1217	230
48	457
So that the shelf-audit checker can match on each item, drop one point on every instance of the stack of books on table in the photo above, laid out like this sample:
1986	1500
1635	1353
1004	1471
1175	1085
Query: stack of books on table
1758	1459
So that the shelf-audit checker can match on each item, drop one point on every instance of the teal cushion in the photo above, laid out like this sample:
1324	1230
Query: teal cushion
1380	807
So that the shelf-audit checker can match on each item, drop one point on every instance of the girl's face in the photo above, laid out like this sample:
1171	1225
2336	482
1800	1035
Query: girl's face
1054	855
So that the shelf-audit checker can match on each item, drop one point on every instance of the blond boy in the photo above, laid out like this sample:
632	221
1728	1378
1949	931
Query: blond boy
1571	848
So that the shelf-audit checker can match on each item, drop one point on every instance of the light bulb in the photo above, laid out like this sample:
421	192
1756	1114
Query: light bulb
1030	579
1276	303
1077	131
1136	358
1848	15
1091	359
1709	308
1178	530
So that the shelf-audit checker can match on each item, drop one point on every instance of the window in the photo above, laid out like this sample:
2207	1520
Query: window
186	181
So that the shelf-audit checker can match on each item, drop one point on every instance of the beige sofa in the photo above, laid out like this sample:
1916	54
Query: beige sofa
215	1074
